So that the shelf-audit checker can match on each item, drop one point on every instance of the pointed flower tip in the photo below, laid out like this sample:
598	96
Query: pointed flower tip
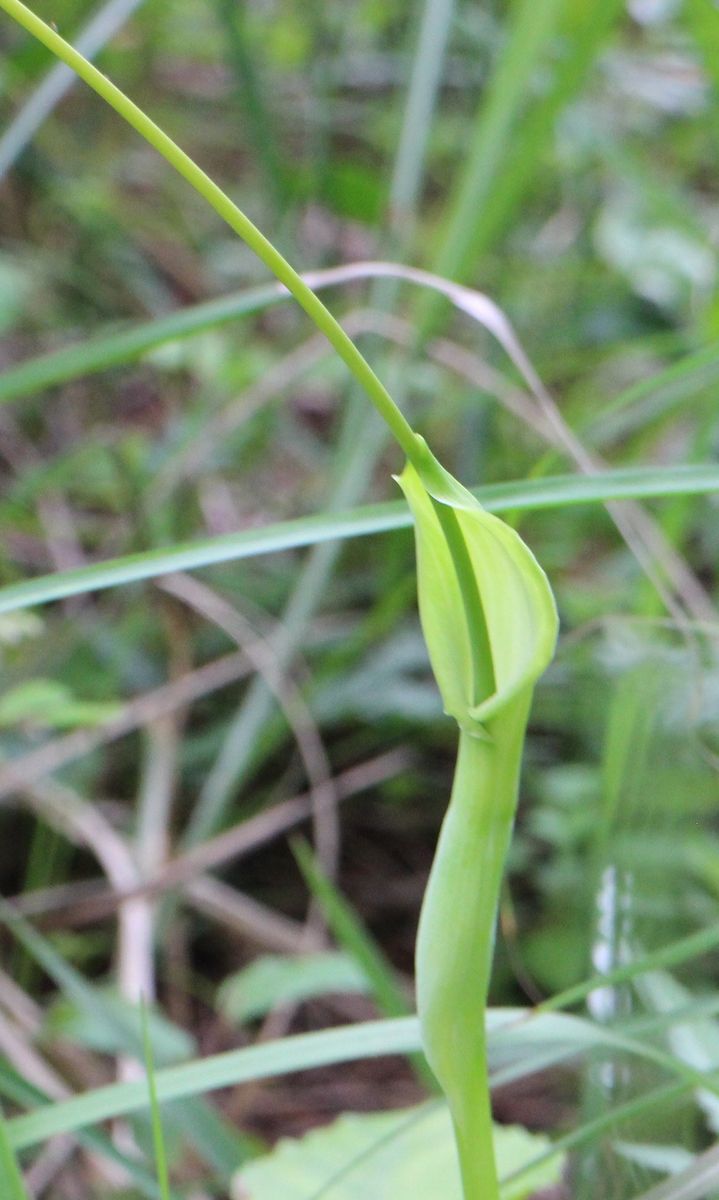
486	606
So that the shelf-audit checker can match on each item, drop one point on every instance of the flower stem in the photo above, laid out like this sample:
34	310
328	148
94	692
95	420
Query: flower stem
228	210
456	936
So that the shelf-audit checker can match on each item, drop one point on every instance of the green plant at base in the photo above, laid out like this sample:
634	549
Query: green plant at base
490	624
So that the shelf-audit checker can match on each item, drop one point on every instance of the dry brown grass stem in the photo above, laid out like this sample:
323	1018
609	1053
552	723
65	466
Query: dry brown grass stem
290	700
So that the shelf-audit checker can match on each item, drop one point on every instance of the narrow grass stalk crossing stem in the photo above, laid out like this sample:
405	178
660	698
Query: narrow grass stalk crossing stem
230	213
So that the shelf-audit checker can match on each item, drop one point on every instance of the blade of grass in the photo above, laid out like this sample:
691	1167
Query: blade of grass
503	155
530	495
374	1039
422	96
17	1089
158	1139
241	57
514	1032
347	928
636	405
126	345
696	1181
214	1139
683	950
590	1131
530	28
12	1186
350	934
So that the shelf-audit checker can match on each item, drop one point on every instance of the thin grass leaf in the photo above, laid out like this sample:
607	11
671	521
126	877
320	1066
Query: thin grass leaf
214	1138
349	932
517	1038
348	1044
425	79
158	1138
498	169
127	345
680	951
22	1093
530	28
529	495
12	1186
256	118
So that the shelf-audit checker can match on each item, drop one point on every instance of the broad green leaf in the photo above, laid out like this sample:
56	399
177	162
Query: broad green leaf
388	1156
275	979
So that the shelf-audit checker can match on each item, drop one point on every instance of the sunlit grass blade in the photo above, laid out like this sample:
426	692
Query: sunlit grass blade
214	1139
636	406
529	495
530	28
681	951
347	1044
421	100
656	1101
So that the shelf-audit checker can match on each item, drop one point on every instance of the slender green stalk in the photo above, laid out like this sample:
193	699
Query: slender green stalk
230	213
456	937
158	1139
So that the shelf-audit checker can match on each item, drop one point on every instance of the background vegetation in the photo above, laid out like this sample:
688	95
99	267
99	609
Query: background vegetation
559	156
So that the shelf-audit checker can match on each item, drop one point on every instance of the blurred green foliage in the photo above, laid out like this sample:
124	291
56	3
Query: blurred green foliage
571	173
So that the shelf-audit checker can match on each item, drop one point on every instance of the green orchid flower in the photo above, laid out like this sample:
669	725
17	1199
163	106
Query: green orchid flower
490	624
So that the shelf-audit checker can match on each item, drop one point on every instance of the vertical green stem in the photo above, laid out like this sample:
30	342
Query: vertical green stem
456	935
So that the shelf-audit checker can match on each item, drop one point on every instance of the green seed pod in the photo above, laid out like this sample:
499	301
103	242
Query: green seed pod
490	624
